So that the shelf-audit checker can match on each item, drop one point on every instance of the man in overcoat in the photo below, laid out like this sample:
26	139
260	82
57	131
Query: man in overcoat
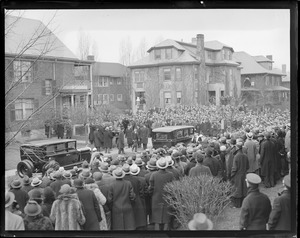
251	153
280	217
212	163
90	204
121	141
158	179
144	136
199	169
120	198
98	139
256	206
107	140
238	174
267	159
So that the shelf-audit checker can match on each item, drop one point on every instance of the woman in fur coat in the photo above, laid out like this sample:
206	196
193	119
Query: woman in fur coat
67	211
91	185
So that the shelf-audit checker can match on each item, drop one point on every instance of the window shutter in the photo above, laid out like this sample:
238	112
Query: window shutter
54	90
36	104
43	87
12	112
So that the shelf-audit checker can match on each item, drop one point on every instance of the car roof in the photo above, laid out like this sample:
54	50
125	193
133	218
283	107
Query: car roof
47	142
170	128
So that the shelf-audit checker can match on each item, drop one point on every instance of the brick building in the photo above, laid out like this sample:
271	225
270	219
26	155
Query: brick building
176	72
260	83
111	85
40	75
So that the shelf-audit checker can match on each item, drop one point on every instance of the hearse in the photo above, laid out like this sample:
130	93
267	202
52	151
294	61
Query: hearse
35	155
171	135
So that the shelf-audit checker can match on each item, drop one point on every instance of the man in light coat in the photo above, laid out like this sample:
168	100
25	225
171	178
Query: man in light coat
251	153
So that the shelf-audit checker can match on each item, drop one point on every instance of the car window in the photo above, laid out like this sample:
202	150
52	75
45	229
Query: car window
61	147
179	134
50	149
185	132
71	145
161	136
191	131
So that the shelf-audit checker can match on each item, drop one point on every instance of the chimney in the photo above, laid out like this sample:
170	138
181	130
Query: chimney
284	68
194	41
91	57
270	57
200	45
202	86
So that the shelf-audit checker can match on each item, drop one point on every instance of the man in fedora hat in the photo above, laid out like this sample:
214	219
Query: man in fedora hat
200	222
160	215
21	196
13	222
151	167
238	174
26	184
140	163
252	152
199	169
34	219
256	206
171	168
56	185
90	206
267	160
36	184
121	141
139	189
120	198
280	217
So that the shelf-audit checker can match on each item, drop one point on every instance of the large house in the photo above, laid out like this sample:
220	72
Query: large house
176	72
260	83
111	85
40	75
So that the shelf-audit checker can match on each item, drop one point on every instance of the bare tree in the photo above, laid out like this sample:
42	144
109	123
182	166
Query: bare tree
141	50
84	44
125	51
95	50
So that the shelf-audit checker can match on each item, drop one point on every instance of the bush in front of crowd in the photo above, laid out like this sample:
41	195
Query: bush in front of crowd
191	195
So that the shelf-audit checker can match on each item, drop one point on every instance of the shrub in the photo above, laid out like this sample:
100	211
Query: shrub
191	195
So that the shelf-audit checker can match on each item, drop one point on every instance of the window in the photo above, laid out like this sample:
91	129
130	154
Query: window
140	85
167	74
207	76
100	99
119	97
103	81
139	76
105	98
179	134
82	98
178	73
23	71
267	80
209	56
167	97
48	87
168	53
119	81
23	109
178	97
196	72
111	81
224	53
230	55
157	54
161	136
222	93
111	97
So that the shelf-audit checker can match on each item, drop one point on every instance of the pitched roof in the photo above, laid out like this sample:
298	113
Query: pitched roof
166	43
24	30
250	66
185	57
215	45
109	69
261	58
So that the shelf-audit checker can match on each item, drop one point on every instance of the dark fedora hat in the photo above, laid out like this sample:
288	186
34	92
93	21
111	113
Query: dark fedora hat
16	183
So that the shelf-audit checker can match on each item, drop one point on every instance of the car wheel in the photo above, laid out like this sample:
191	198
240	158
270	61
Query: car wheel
25	167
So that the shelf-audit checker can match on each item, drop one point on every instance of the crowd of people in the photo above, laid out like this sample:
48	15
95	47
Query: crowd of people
126	192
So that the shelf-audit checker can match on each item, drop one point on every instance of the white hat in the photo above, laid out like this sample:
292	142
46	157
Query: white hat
200	222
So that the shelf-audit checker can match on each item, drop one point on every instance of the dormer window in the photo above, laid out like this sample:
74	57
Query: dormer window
169	53
157	54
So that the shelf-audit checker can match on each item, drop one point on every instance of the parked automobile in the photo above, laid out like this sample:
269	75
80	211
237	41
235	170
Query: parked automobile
35	155
171	135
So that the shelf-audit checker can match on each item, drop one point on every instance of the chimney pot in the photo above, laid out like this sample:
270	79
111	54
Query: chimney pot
284	68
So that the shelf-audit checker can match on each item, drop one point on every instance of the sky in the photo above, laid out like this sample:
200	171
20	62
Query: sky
255	31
